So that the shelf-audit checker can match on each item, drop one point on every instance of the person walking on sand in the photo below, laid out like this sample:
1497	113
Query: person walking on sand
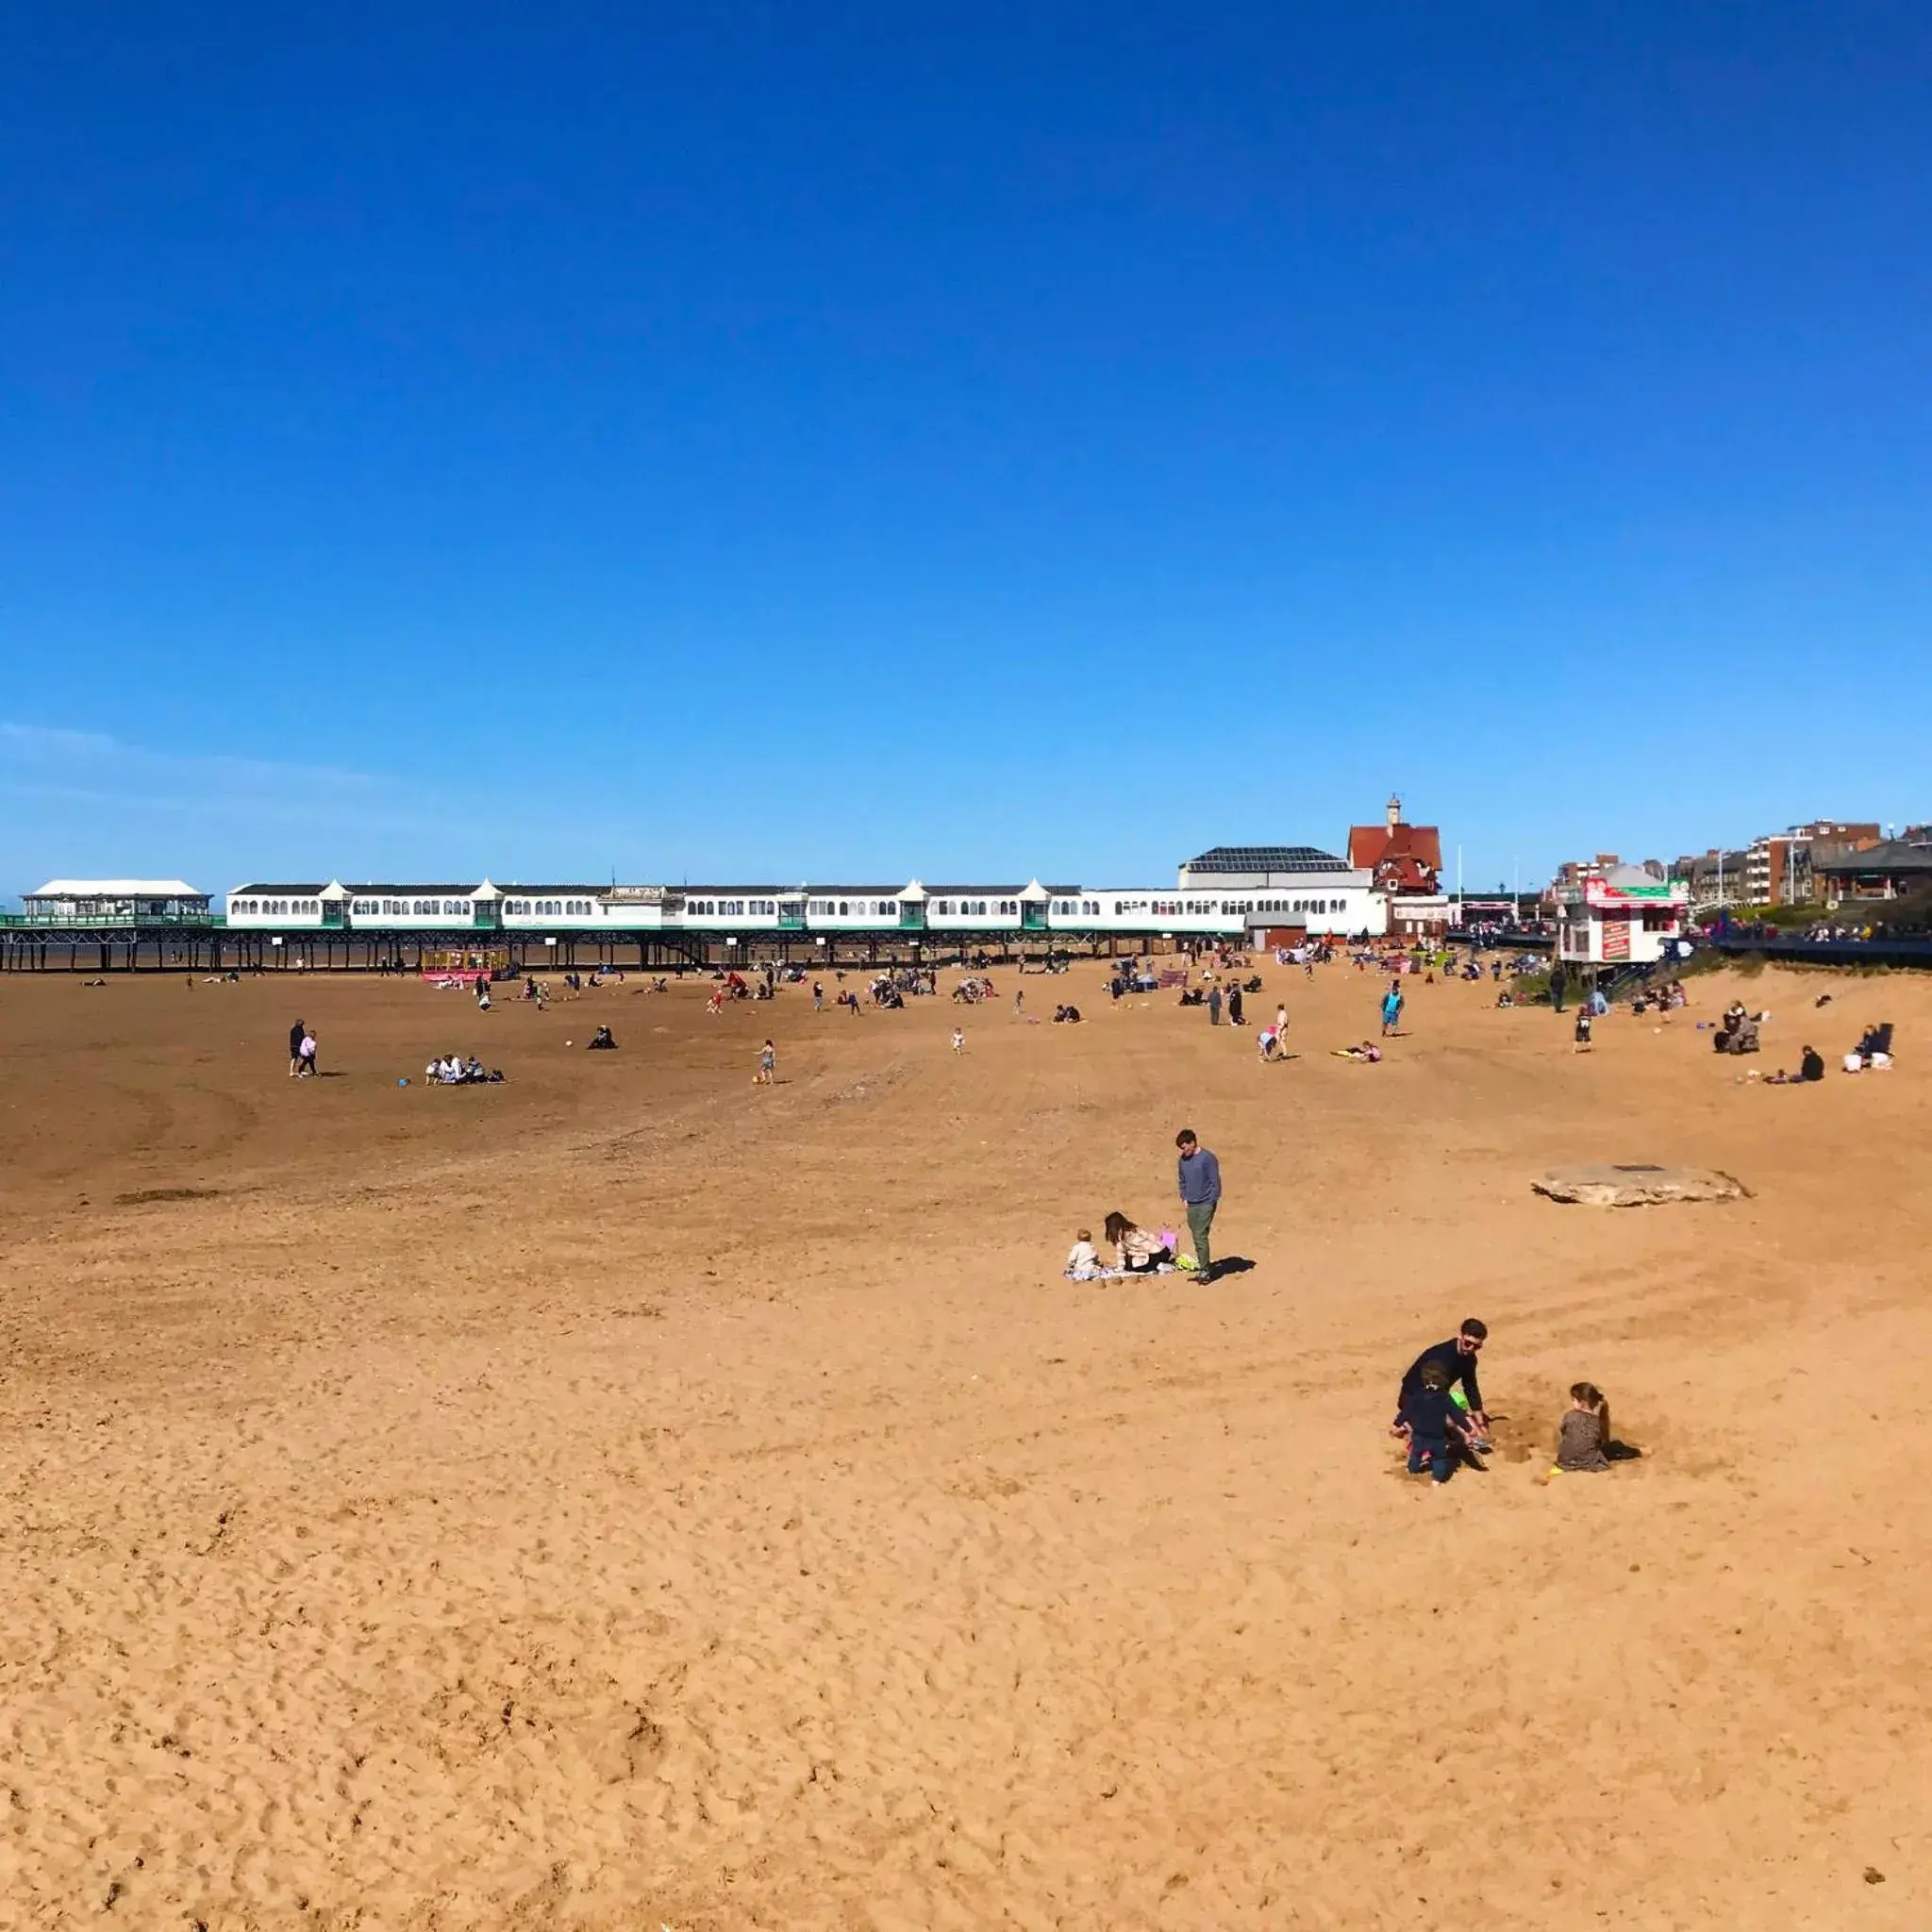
295	1033
1200	1184
958	1039
768	1064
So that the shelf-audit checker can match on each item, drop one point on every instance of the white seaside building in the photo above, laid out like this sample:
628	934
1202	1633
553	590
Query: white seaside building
1282	892
114	902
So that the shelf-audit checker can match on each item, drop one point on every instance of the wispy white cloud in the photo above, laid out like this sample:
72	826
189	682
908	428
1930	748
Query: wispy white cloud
52	767
83	803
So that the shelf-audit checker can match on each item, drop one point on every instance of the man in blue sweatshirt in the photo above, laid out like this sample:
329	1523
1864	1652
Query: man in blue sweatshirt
1200	1177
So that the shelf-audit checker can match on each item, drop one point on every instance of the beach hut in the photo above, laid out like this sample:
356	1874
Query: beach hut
1621	915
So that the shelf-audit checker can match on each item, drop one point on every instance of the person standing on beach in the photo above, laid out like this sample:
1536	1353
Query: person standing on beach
1214	1005
1391	1009
1559	983
295	1033
818	996
1200	1183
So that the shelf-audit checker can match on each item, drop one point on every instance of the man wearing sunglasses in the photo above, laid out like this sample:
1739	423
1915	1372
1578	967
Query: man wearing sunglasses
1457	1356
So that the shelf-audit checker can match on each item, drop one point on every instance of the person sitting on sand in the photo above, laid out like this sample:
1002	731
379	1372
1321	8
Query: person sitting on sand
1584	1442
1140	1252
1583	1429
601	1042
1083	1257
1809	1068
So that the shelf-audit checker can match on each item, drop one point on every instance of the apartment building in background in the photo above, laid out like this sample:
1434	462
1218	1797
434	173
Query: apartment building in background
1716	877
1777	866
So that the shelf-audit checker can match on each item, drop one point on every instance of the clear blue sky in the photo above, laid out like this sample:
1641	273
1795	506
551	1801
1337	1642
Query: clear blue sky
772	440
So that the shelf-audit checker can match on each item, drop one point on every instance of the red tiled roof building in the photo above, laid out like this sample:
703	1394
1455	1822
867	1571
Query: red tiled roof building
1403	858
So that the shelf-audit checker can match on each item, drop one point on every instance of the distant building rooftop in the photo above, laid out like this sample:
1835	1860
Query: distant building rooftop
116	889
1240	859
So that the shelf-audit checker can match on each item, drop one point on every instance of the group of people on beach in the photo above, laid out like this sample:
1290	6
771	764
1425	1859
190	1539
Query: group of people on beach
302	1051
453	1070
1141	1251
1441	1416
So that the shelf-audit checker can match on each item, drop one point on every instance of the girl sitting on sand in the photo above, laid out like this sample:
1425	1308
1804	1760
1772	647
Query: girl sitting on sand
1584	1442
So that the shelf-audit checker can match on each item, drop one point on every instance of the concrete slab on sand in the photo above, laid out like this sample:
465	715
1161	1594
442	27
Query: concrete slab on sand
1607	1184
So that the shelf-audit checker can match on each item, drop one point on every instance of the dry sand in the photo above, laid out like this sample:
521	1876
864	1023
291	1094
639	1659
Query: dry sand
628	1497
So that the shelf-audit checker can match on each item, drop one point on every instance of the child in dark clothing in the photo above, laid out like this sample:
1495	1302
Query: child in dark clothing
1432	1417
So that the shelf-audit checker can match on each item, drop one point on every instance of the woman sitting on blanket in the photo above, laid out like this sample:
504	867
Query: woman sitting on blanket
1141	1253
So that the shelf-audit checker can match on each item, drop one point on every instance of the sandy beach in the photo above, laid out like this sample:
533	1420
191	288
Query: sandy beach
630	1497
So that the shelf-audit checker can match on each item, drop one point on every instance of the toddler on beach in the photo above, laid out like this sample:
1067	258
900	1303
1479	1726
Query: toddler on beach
1083	1258
1433	1417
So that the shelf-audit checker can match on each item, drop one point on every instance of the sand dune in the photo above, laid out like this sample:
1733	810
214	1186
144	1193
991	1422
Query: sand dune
627	1497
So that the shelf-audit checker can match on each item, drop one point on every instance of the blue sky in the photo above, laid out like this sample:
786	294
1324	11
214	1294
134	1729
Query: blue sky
772	442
